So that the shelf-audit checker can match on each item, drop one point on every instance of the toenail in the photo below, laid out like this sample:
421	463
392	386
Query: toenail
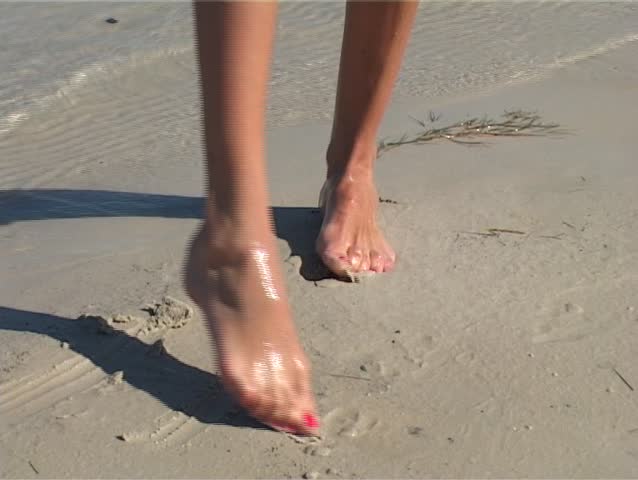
310	420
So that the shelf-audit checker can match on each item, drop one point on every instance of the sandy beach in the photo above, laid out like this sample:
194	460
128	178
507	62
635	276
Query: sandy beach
504	345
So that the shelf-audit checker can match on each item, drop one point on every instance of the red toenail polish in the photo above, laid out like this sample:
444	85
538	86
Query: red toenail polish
310	421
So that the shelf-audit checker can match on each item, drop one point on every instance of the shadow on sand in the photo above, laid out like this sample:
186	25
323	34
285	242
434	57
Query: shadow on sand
177	385
298	226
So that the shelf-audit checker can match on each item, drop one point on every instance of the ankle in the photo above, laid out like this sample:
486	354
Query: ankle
229	236
351	160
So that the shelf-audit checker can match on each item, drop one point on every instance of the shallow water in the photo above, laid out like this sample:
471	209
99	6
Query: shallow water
55	55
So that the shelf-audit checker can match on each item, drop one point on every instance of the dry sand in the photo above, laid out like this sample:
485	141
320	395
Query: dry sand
512	355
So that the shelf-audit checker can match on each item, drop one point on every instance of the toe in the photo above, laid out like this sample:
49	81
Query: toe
337	263
355	259
305	418
364	266
295	415
310	423
376	262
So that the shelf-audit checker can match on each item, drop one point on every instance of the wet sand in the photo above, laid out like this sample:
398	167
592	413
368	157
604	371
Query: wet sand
483	355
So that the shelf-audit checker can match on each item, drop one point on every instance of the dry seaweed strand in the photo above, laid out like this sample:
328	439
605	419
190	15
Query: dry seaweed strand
353	377
33	468
514	123
624	380
496	231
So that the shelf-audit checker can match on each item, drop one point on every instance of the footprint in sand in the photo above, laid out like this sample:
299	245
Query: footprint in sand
381	375
377	369
567	322
416	347
348	423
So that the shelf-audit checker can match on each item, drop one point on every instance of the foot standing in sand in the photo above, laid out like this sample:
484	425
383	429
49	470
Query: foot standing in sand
233	271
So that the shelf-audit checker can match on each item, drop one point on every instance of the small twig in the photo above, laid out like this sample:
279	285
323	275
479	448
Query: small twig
353	377
505	230
481	234
624	380
568	225
553	237
34	469
494	232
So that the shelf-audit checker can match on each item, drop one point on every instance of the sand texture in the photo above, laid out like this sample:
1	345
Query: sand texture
504	345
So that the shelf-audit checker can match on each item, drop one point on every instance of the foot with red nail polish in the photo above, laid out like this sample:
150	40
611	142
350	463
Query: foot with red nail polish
238	286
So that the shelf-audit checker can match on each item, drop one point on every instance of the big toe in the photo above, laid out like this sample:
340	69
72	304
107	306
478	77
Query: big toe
300	419
286	410
306	424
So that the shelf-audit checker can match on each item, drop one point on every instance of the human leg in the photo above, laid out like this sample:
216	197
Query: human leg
374	41
233	271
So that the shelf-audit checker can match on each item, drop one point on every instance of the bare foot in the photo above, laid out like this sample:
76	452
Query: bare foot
350	241
261	362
